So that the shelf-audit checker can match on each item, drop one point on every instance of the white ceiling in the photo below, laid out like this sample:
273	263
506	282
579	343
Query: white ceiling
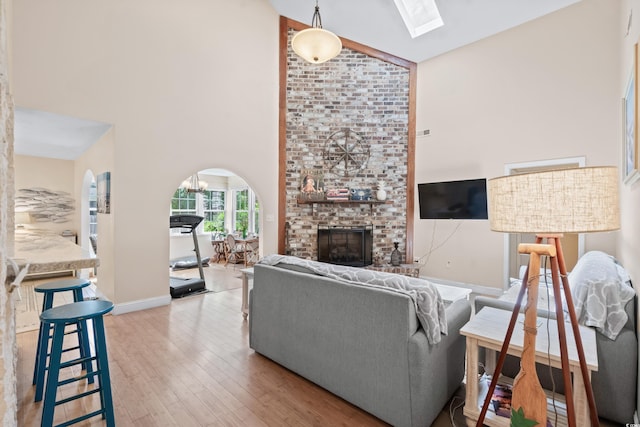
43	134
375	23
378	24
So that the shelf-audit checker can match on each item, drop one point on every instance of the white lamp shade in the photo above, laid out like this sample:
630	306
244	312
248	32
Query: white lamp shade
578	200
316	45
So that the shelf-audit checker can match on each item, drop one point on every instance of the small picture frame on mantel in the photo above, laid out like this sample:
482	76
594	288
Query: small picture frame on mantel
311	184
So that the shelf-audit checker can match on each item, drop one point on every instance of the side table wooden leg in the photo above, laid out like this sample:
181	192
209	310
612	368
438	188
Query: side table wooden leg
471	399
580	401
490	361
245	295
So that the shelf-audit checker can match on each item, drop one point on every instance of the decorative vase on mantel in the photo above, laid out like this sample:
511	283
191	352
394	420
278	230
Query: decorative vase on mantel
395	255
381	194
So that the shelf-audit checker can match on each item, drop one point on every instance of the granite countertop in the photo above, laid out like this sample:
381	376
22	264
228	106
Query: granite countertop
47	253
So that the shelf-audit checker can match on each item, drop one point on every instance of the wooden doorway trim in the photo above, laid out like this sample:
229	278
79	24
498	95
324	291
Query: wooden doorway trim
285	24
511	241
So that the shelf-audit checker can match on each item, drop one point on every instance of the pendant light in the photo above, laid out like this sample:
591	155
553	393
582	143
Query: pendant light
314	44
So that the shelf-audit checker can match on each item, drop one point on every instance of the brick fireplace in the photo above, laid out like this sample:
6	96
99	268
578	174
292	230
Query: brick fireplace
363	92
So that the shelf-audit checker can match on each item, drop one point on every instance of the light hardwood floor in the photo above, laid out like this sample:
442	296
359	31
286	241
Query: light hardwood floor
189	364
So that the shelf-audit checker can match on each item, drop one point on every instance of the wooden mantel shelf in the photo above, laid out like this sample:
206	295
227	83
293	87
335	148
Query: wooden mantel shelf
336	202
342	202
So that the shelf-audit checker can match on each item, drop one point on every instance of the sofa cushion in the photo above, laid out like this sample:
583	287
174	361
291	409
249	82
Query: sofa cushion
600	293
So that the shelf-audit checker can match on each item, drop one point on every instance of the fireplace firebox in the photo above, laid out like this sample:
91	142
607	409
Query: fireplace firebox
346	245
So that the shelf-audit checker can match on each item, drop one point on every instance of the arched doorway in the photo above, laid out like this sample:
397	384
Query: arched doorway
228	206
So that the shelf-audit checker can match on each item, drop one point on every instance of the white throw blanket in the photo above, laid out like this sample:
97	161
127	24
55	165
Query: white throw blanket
427	301
600	291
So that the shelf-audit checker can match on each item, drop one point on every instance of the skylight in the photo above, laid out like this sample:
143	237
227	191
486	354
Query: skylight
420	16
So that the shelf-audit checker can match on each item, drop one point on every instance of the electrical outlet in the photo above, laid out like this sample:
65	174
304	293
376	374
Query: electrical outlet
448	264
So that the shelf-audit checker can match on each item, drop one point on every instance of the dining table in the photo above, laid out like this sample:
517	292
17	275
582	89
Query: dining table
218	250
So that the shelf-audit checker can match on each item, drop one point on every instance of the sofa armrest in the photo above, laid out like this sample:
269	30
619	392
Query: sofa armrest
481	302
436	371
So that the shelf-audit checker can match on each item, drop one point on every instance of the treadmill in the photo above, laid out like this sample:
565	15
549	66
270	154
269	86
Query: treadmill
179	286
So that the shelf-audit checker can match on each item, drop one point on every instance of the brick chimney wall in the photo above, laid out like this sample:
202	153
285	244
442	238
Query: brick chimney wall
365	95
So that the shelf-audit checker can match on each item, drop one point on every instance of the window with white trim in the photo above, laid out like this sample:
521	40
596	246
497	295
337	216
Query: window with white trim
184	202
214	212
241	211
245	212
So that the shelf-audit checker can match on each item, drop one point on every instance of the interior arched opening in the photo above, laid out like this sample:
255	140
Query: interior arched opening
206	253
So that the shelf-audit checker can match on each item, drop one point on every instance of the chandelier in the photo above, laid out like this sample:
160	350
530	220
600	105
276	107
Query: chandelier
194	185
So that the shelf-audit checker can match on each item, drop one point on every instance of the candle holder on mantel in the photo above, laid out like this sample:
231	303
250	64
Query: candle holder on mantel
395	255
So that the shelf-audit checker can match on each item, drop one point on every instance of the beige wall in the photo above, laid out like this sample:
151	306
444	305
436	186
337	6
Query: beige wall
545	90
185	90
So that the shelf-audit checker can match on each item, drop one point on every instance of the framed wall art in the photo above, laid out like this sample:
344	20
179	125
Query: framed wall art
104	192
630	120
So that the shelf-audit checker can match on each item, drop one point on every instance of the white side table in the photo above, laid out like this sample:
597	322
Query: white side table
488	329
247	273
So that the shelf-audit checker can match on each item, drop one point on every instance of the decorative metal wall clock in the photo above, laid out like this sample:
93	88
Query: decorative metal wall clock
345	152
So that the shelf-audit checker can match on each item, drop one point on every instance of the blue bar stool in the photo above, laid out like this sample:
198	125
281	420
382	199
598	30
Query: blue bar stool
60	317
49	289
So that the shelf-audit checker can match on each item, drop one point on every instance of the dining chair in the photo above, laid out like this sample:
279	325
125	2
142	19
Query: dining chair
234	251
252	251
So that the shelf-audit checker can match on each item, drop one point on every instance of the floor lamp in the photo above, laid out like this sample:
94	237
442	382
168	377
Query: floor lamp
579	200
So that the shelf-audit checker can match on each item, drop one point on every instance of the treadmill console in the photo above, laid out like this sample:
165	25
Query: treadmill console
185	221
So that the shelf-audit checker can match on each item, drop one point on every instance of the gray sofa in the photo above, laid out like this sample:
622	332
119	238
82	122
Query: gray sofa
615	383
362	343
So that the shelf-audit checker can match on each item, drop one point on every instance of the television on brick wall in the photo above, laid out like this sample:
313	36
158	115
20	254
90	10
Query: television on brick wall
466	199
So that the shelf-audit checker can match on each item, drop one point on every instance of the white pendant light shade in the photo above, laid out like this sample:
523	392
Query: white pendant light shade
316	45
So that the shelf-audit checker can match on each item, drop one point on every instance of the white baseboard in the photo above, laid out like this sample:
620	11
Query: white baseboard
476	289
144	304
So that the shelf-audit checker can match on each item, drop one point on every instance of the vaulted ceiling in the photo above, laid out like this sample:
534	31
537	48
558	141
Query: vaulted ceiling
375	23
378	24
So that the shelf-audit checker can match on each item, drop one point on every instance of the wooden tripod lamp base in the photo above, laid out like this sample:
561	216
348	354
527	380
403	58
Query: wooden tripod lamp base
528	394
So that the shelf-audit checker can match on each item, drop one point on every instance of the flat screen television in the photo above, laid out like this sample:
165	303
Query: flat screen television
453	199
